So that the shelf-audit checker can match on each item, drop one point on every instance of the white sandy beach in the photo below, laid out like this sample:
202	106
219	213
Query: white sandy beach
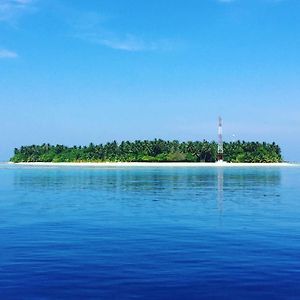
155	164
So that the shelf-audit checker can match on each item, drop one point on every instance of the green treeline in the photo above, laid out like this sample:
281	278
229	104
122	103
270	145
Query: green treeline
150	151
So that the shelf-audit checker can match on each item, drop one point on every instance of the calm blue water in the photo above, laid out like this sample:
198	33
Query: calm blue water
149	233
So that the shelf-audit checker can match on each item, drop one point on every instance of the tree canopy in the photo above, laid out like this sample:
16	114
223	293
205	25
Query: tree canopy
150	151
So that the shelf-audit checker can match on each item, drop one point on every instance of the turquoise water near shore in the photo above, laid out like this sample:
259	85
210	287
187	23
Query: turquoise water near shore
149	233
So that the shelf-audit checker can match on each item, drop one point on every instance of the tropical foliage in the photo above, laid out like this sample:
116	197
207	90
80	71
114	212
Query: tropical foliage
150	151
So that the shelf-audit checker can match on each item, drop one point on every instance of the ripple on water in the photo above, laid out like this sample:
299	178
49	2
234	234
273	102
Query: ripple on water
149	233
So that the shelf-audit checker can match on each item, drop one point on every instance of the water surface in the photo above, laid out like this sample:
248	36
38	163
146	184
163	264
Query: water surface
149	233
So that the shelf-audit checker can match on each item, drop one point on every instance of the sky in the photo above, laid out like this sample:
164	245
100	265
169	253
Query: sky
74	72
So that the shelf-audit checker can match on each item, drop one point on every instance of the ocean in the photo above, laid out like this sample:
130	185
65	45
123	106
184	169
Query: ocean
149	233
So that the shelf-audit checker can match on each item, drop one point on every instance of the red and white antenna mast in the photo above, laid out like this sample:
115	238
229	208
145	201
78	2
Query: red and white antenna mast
220	141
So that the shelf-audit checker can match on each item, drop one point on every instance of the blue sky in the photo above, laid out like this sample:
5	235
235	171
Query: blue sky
74	71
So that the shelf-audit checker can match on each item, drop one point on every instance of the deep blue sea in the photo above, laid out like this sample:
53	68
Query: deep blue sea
149	233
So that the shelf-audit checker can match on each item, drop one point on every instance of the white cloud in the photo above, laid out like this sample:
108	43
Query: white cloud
12	9
23	2
4	53
92	28
127	42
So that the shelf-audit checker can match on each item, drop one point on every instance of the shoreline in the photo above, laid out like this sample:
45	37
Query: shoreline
152	164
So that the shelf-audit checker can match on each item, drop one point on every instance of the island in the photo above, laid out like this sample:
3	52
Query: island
156	150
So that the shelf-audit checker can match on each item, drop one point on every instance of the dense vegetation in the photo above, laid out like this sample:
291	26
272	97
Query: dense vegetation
150	151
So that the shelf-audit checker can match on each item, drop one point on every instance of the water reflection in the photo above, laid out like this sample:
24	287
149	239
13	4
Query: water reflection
159	183
138	230
220	197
